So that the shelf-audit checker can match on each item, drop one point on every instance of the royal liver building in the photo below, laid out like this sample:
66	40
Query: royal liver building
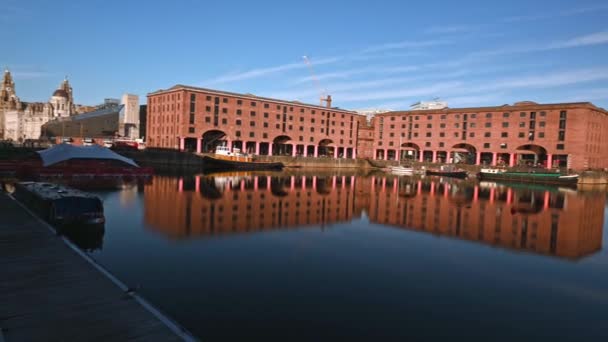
23	120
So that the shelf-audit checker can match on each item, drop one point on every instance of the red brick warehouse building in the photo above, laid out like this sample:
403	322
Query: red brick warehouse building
572	135
199	119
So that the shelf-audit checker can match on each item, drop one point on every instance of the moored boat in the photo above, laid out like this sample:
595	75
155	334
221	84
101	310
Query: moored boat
60	205
534	176
447	171
225	159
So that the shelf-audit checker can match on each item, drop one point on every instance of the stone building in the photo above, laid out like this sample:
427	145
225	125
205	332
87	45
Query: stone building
23	120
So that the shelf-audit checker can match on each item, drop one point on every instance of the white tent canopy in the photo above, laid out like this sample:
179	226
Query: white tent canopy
62	152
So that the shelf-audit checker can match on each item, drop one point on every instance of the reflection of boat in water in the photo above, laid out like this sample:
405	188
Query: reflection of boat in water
401	170
447	171
541	177
60	205
225	160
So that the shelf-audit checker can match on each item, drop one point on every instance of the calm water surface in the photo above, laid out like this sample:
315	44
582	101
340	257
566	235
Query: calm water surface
302	257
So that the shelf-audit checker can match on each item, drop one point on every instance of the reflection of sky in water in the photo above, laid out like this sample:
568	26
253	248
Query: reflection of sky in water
356	269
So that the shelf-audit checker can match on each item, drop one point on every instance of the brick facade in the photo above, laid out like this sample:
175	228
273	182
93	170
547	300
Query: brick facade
566	135
198	119
557	135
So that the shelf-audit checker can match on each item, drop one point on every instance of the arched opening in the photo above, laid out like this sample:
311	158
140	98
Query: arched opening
391	154
250	147
464	154
325	148
310	151
409	151
212	139
282	146
531	155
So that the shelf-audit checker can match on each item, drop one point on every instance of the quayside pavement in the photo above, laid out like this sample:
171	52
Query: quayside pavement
49	291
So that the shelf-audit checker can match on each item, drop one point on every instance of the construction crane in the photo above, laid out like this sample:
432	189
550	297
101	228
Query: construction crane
323	97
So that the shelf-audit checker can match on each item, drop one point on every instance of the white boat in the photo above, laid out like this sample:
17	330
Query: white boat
401	170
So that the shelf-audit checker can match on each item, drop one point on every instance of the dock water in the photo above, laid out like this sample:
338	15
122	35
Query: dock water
48	292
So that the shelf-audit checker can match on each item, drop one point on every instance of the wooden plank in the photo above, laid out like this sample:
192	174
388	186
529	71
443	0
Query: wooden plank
51	293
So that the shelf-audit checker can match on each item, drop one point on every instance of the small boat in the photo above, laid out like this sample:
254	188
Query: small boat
59	204
540	177
401	170
447	171
226	160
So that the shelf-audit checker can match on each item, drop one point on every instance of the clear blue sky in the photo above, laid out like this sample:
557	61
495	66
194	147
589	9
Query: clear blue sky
365	54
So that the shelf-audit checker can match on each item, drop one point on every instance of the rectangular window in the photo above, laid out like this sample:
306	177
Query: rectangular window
522	124
191	118
252	113
207	119
504	135
541	124
488	124
505	115
441	144
543	114
486	145
541	134
253	104
503	145
505	124
473	116
251	134
560	146
238	122
265	124
472	124
561	136
224	121
442	117
225	110
266	105
487	134
207	109
488	115
224	100
428	134
441	134
472	135
521	135
208	98
562	124
440	125
563	114
239	112
429	117
190	129
429	126
238	102
522	115
427	144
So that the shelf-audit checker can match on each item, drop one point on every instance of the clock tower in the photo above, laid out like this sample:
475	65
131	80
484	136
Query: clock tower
8	97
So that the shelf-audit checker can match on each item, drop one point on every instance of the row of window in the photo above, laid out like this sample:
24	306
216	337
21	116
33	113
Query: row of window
532	116
561	135
473	125
488	145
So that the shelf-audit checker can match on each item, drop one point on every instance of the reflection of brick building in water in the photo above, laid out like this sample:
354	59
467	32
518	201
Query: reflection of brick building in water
552	223
567	225
213	205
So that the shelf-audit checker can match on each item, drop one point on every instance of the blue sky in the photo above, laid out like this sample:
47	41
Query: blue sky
385	54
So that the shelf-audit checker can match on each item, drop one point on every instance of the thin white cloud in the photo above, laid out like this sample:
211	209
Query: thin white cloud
565	13
405	45
352	72
589	95
449	29
385	94
596	38
259	72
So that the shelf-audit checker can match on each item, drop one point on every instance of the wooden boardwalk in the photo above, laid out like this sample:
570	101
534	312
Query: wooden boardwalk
48	292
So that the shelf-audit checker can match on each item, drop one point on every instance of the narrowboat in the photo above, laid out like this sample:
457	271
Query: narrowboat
533	176
59	204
